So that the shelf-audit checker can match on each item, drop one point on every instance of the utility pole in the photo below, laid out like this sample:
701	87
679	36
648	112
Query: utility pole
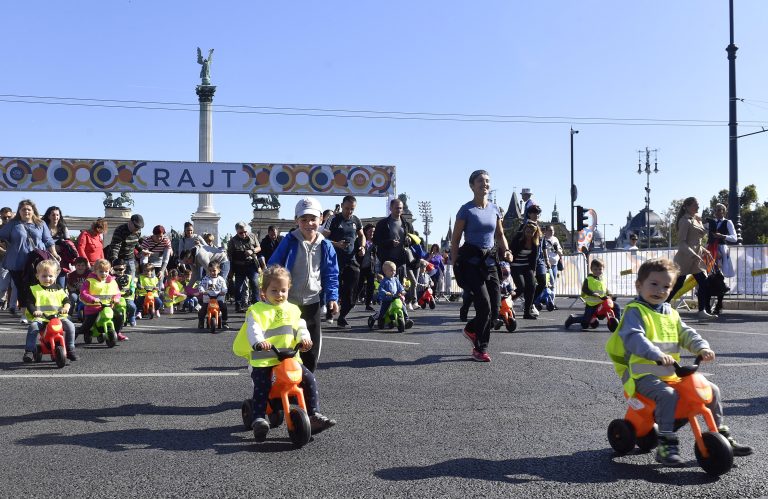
648	172
425	210
734	211
574	194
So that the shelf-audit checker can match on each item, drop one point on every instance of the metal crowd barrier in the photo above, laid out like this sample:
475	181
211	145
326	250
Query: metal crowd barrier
621	271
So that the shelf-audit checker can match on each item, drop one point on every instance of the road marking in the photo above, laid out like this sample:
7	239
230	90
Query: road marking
120	375
727	331
372	340
558	358
744	364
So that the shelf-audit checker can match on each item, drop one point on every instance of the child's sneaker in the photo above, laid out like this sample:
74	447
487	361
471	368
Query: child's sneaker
138	316
200	324
260	428
408	323
170	310
157	314
668	453
28	357
318	423
24	321
71	355
198	307
133	323
572	319
121	337
738	449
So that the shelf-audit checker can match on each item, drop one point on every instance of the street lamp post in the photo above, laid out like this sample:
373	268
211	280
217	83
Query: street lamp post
733	148
574	193
425	209
647	172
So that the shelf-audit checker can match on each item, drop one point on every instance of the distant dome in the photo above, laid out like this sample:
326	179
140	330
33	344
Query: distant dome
639	221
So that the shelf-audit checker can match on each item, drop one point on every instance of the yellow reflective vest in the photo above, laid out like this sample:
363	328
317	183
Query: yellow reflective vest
145	284
47	301
282	326
595	285
102	290
661	330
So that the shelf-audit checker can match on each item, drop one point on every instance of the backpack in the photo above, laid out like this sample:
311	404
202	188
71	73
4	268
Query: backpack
68	252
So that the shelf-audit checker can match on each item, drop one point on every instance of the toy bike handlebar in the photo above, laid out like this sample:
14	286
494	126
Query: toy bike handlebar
283	353
683	371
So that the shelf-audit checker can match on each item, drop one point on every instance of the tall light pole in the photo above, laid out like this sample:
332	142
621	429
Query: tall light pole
647	172
733	149
574	193
425	209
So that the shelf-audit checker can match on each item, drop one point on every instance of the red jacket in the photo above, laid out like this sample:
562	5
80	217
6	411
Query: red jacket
90	246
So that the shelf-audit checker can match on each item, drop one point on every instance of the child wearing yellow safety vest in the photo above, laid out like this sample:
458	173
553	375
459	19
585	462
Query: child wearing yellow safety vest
593	290
275	321
174	291
48	299
100	287
147	281
644	348
127	285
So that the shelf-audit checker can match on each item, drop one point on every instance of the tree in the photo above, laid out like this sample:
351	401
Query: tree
670	221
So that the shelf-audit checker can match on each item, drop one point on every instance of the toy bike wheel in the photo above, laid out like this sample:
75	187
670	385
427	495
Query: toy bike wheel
400	325
371	322
511	325
431	304
275	418
38	355
612	324
111	337
648	442
101	337
59	356
212	325
302	430
247	412
594	324
720	458
621	436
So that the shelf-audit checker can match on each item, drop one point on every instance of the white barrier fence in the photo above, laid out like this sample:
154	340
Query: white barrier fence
743	285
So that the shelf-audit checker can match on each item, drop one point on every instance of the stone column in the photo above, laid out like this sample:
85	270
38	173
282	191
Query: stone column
205	218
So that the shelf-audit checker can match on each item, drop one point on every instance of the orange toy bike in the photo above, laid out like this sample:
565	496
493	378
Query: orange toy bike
149	304
285	397
713	452
506	315
51	342
213	316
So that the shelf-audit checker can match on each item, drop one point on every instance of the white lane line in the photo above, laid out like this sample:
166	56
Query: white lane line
558	358
121	375
371	340
147	327
726	331
744	364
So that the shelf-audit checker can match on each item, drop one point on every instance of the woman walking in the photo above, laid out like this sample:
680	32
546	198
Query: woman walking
476	265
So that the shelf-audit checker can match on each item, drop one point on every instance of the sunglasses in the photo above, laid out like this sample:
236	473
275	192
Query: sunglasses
118	269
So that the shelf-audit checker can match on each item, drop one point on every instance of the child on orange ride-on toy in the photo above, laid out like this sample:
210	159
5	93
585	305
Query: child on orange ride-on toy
594	292
275	322
644	349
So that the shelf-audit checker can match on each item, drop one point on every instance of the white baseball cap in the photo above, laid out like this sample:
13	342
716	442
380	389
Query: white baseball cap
308	206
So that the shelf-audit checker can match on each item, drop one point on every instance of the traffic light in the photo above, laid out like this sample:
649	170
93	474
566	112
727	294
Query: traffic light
581	218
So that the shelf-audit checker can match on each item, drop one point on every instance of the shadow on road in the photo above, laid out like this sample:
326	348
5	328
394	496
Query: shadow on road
592	466
387	362
746	407
103	415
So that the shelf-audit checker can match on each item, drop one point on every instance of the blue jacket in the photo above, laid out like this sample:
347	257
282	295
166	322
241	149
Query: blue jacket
18	238
285	255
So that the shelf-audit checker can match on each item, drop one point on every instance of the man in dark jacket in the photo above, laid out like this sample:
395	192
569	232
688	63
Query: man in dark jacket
269	243
392	243
125	240
242	252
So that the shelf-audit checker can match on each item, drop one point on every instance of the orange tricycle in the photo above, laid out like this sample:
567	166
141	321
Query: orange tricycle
713	451
285	397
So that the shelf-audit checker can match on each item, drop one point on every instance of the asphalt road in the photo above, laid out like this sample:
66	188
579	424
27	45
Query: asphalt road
159	415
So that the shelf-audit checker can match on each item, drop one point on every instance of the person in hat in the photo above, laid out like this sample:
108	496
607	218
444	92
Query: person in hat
156	250
125	240
528	201
311	260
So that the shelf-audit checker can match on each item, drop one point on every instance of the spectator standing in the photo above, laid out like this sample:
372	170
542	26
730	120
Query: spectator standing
632	246
528	201
55	222
90	243
125	243
367	268
345	232
269	243
188	239
200	257
542	266
392	242
23	234
6	283
526	248
242	251
721	232
156	250
476	264
436	259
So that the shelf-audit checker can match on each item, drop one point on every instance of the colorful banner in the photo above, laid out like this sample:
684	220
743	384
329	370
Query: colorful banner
99	175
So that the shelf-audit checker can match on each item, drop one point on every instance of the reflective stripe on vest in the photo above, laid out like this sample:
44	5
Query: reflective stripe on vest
146	284
661	330
46	300
595	285
102	290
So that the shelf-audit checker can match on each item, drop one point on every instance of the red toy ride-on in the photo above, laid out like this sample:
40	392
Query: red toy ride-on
51	342
506	315
713	451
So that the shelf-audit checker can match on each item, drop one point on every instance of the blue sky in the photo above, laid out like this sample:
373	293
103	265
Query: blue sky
573	60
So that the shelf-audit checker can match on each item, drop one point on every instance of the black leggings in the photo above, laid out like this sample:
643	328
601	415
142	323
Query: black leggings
524	279
483	282
702	293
